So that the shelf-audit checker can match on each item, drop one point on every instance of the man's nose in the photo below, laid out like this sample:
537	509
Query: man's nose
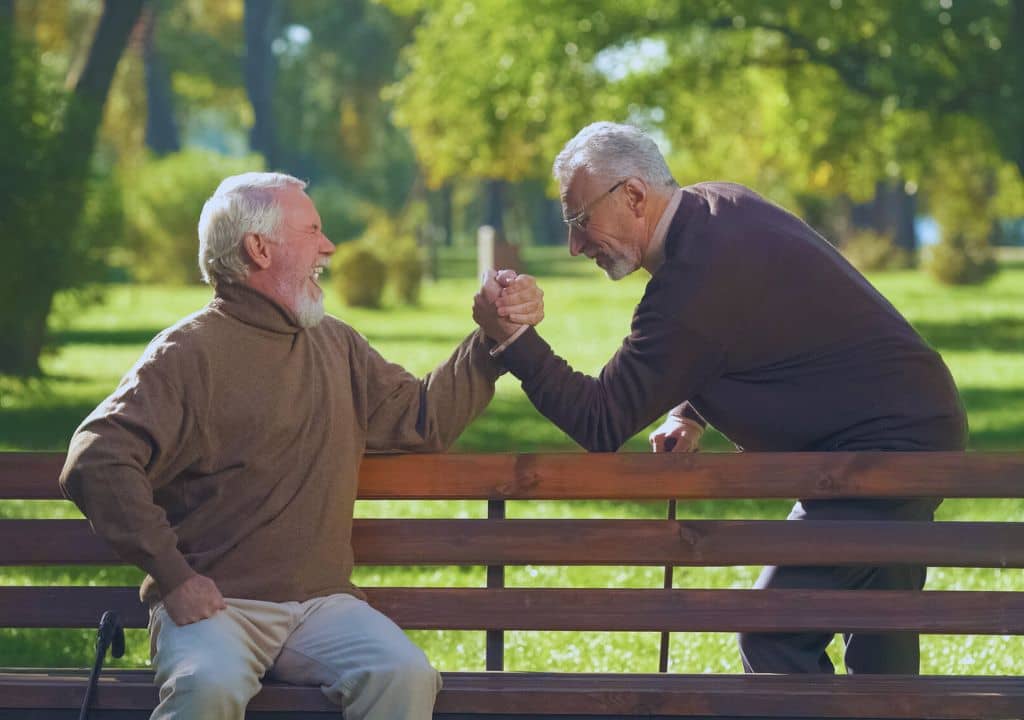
326	246
575	242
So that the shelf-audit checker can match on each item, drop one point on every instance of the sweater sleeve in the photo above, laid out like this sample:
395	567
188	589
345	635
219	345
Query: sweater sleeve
112	466
427	415
663	362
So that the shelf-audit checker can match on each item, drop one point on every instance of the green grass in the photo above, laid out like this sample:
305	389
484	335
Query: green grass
980	332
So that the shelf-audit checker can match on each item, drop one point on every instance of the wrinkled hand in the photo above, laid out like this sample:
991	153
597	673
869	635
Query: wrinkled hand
521	301
195	599
507	301
676	435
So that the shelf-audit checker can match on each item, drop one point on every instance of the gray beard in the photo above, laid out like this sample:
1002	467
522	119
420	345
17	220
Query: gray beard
619	269
309	312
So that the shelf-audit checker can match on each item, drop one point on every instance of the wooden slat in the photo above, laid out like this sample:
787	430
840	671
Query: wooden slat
984	613
601	542
761	696
53	542
30	476
523	694
652	476
687	542
616	476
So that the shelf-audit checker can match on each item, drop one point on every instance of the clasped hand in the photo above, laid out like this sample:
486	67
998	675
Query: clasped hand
505	302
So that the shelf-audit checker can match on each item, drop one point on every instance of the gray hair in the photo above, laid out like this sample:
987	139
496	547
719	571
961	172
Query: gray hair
610	150
241	204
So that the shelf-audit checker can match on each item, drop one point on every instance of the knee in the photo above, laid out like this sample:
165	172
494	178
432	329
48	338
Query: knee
410	669
407	673
209	689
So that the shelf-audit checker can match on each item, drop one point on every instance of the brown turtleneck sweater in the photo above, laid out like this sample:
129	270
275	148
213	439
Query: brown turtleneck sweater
232	447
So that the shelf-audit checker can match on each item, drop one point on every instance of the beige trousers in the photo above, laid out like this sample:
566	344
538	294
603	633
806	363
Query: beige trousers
360	659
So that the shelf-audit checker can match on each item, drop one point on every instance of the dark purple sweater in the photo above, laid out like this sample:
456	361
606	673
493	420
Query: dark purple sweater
768	332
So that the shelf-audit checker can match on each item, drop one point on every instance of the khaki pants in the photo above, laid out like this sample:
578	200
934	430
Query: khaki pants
360	659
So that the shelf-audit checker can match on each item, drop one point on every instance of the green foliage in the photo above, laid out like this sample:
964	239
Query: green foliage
395	243
45	249
969	189
359	275
869	251
405	271
342	214
164	196
959	261
494	87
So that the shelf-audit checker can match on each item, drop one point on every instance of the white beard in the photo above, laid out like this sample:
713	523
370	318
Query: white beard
619	268
309	312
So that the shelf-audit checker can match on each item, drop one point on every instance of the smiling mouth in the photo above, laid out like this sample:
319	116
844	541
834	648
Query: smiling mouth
315	275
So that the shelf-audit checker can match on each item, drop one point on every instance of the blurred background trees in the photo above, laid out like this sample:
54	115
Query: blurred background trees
883	122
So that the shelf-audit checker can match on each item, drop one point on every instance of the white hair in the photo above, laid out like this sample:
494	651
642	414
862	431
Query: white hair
241	204
613	151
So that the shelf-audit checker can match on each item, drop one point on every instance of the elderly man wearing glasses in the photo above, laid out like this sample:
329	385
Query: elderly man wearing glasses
753	323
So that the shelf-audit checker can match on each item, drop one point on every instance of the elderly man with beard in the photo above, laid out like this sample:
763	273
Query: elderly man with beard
754	322
225	466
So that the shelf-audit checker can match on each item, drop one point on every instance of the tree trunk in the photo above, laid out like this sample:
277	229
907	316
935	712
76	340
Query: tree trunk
161	128
494	205
890	212
443	212
545	215
40	266
1016	65
260	68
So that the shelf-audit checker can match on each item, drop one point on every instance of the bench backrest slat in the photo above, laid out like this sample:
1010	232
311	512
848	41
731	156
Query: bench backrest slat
598	609
599	542
636	476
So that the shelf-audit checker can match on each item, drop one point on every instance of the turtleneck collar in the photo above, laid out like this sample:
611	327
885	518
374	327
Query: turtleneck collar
656	245
254	308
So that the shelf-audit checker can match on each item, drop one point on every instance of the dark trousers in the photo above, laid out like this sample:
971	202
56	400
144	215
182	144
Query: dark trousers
865	653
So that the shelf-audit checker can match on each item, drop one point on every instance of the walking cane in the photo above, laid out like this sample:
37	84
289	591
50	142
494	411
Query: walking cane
110	635
665	637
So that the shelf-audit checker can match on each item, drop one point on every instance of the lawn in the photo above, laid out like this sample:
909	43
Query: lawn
980	332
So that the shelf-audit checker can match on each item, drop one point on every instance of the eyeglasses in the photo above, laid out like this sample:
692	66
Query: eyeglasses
579	220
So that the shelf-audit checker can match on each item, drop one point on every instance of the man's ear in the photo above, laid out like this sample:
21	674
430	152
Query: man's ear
257	247
636	195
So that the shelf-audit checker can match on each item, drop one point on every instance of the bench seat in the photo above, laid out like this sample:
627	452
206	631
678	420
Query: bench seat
130	694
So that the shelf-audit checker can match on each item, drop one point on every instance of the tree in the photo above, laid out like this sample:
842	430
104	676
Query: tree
45	171
161	127
261	25
859	79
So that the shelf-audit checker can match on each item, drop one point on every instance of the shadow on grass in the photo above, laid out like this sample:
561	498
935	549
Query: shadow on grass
128	336
1002	334
1009	436
376	337
513	425
42	428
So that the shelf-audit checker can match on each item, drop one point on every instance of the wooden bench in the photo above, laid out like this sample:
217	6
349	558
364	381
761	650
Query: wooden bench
496	542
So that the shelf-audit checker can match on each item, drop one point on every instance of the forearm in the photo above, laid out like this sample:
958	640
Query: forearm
597	416
428	415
